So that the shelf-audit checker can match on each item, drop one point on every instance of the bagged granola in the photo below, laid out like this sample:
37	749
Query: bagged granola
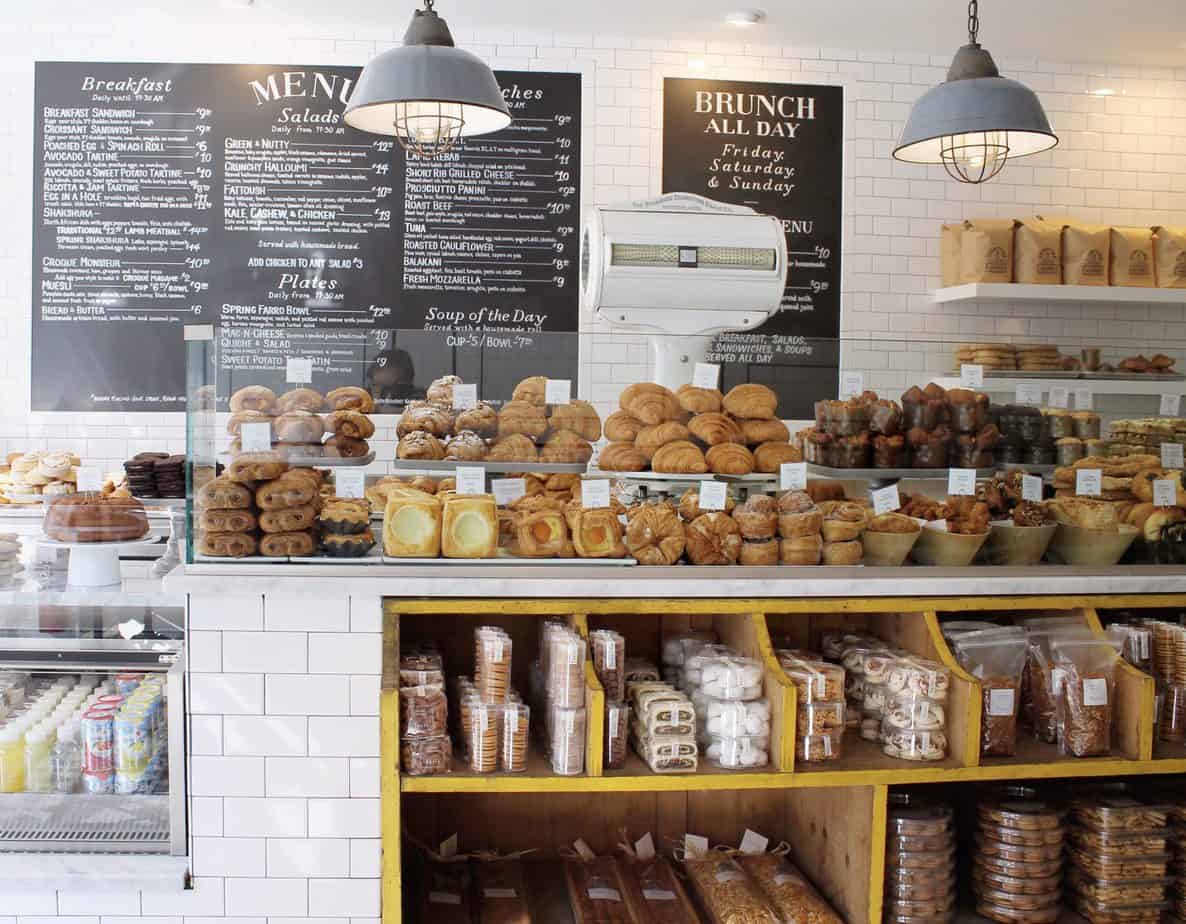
1132	257
788	889
1037	254
1085	254
1169	254
996	657
1042	678
726	892
986	250
1086	695
949	253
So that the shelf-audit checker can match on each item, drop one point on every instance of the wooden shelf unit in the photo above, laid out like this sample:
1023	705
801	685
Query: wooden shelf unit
840	803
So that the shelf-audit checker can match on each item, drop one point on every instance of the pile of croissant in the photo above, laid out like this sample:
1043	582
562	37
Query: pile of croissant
524	429
693	431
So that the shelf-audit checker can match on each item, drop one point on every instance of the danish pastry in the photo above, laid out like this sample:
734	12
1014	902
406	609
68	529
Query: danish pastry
566	446
353	424
420	444
531	390
234	426
277	545
226	521
655	535
802	550
843	553
469	526
299	427
223	494
620	427
769	457
300	399
713	539
597	533
412	524
466	446
441	390
428	418
714	428
253	398
1142	484
513	448
540	532
289	490
522	417
729	459
681	457
698	400
288	520
756	432
226	545
751	401
350	398
621	457
689	505
579	417
650	403
256	466
482	419
759	552
561	483
757	518
650	438
343	447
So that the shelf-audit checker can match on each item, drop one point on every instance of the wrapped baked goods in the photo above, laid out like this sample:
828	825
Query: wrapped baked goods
502	891
742	752
792	895
669	753
426	756
423	712
996	658
816	748
617	735
1085	695
816	681
566	740
713	539
596	890
726	892
732	678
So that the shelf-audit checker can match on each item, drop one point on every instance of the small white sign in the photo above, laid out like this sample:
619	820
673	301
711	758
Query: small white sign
558	391
1029	393
658	895
1095	691
298	370
444	898
971	375
1170	405
706	375
465	397
851	384
752	842
792	476
595	493
961	481
886	500
255	437
1083	399
1171	455
470	479
695	845
1060	396
603	894
90	478
508	490
350	482
1165	492
1031	488
1089	482
645	847
712	495
1000	702
449	847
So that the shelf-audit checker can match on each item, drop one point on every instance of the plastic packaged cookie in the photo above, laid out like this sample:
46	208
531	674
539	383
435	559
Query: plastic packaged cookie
1099	913
930	888
916	842
609	662
1116	892
815	680
426	756
923	908
876	700
1009	915
910	711
733	678
742	753
1021	815
1016	885
947	917
912	744
921	860
1052	837
617	735
1038	869
813	748
820	718
920	819
735	718
989	846
1015	901
919	677
1116	846
1118	813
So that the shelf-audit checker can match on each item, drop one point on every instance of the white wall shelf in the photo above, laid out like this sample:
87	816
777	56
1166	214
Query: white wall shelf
1134	386
1019	292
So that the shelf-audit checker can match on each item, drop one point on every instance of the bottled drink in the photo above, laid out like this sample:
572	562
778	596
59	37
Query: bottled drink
66	760
37	769
12	758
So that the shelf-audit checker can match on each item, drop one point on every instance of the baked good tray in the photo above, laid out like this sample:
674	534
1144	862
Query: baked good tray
446	467
887	474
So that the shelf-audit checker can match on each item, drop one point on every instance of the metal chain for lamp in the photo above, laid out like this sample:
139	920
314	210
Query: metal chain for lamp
973	20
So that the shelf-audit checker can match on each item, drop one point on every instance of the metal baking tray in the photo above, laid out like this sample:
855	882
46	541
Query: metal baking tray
446	467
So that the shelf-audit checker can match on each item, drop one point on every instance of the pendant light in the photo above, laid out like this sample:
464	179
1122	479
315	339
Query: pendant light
427	93
977	119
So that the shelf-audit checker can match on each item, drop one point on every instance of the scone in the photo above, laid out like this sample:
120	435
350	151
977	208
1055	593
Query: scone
751	401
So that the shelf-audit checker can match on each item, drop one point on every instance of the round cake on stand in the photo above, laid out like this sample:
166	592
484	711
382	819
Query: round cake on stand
94	527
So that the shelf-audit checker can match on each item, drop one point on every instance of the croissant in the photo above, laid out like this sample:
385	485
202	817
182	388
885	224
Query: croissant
481	418
514	447
566	446
579	417
620	427
756	432
713	428
751	400
698	400
621	457
655	535
679	458
597	533
713	539
769	456
522	417
650	403
730	459
532	390
649	439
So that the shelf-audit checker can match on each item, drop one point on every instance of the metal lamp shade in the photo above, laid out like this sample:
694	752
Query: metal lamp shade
402	77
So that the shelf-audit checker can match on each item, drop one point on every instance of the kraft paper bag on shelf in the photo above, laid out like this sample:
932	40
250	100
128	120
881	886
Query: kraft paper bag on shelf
986	250
1037	252
1169	250
1085	254
949	250
1132	257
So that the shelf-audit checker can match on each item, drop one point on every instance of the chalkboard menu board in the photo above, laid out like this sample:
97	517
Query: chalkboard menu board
778	148
171	194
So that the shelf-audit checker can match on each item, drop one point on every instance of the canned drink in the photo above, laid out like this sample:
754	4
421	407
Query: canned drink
98	739
133	740
111	699
126	684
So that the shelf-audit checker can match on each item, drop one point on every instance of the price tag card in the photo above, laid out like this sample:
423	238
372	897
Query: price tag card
465	397
753	842
695	845
971	375
1088	482
792	476
90	478
851	384
255	437
298	370
961	481
1060	396
1031	488
712	495
449	847
508	490
350	482
645	847
1083	399
1170	405
558	391
1171	455
1165	492
886	500
706	375
470	479
595	493
1029	393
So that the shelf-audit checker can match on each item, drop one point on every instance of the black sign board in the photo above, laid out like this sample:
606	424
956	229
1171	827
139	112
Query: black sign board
779	149
235	195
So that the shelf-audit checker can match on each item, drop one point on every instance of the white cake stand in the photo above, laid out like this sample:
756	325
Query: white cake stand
95	564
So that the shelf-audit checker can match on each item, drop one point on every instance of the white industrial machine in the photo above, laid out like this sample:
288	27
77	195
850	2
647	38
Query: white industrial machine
682	268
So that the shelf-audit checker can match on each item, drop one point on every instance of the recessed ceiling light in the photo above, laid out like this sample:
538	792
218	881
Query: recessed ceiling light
746	18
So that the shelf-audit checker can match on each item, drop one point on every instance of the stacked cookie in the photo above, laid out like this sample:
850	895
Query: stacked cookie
693	431
156	474
1039	357
344	527
299	424
988	355
48	473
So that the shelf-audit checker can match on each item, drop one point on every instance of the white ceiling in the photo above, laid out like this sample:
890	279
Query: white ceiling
1151	32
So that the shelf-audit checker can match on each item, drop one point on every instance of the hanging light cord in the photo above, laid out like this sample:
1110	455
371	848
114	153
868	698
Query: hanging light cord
973	19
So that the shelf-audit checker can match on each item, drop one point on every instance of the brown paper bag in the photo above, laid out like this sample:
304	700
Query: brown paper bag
1169	249
1037	252
949	251
1132	257
1085	253
986	250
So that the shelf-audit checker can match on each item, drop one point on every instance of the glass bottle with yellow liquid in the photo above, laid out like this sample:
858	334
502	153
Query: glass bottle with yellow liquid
12	758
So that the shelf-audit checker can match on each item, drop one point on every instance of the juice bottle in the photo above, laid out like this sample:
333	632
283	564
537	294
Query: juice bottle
12	758
38	777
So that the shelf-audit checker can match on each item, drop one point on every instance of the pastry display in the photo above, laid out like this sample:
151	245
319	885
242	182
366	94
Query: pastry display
94	517
156	474
40	473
